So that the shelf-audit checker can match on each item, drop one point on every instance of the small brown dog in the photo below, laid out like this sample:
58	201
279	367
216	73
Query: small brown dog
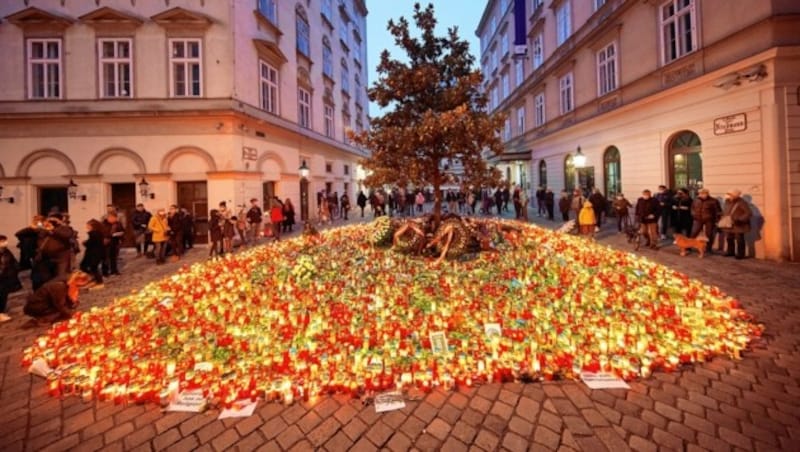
685	243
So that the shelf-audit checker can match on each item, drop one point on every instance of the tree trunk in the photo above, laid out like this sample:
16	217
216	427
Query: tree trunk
437	204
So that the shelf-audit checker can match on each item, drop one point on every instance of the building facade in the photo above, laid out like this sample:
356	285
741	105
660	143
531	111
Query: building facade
685	93
203	101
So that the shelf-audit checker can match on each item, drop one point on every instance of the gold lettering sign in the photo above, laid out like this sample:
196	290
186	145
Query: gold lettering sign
730	124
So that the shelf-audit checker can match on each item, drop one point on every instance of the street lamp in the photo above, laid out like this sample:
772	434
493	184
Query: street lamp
304	172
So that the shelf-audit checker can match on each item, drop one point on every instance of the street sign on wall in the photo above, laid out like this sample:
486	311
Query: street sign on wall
730	124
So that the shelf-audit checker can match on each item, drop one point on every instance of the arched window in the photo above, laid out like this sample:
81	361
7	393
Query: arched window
686	162
611	171
302	29
569	174
543	174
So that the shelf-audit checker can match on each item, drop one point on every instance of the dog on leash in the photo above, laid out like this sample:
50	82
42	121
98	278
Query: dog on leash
634	235
685	244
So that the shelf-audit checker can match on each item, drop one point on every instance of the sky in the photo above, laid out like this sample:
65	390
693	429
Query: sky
462	13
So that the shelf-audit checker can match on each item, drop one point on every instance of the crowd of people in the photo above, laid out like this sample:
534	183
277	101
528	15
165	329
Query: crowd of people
49	246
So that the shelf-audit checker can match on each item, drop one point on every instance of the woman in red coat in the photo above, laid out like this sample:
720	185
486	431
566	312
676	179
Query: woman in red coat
276	218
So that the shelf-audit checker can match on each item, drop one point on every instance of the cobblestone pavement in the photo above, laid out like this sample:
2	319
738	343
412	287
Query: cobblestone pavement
722	405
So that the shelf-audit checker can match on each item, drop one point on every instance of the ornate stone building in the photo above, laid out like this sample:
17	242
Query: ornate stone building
685	93
204	101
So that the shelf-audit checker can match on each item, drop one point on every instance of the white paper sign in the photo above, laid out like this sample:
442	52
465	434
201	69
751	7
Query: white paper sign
389	401
189	401
203	367
438	342
39	367
240	408
492	329
603	380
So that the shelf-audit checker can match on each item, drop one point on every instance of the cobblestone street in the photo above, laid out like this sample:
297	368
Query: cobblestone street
722	405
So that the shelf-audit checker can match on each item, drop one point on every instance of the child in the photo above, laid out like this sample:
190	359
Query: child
9	279
587	220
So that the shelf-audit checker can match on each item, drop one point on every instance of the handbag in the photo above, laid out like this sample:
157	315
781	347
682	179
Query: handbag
726	221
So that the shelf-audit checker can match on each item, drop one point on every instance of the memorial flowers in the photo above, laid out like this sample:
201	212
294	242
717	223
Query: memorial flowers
301	318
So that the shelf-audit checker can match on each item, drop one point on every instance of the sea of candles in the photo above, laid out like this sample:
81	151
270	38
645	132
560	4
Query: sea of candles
305	317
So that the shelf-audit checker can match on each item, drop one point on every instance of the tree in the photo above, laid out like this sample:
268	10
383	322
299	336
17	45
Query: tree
437	113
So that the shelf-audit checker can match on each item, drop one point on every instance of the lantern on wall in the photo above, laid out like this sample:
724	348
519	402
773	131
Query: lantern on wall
72	189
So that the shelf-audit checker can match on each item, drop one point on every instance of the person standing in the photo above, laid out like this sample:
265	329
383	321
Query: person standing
54	255
564	205
682	212
664	198
288	215
517	205
94	251
112	239
622	209
27	239
276	217
599	204
361	201
647	213
586	221
523	201
9	277
550	204
228	227
175	233
187	221
420	202
140	220
345	203
705	213
160	227
215	233
577	202
540	200
254	218
740	214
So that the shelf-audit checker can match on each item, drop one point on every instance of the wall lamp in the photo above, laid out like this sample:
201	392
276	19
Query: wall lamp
72	191
9	199
144	189
579	160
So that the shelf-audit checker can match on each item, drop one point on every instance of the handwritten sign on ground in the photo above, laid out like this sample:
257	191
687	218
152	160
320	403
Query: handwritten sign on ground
389	401
39	367
189	401
603	380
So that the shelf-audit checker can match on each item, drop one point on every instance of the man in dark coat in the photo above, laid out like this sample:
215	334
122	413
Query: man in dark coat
549	203
27	240
54	253
541	200
682	212
705	213
254	218
647	213
140	219
361	201
599	204
740	214
564	205
113	233
175	222
56	299
664	198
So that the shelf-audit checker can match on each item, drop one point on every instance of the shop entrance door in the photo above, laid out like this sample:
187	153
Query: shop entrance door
193	196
